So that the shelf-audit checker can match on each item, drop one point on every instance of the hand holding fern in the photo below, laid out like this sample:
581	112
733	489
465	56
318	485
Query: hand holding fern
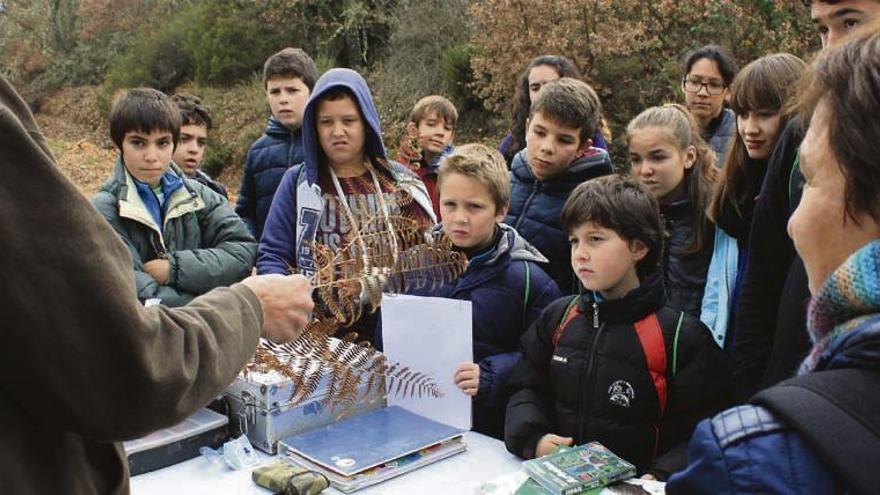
287	304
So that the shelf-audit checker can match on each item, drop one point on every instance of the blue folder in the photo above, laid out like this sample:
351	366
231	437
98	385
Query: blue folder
370	439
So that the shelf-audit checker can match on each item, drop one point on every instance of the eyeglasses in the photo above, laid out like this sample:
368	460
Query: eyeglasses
713	88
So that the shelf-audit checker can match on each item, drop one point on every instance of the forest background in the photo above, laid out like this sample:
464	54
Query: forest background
69	57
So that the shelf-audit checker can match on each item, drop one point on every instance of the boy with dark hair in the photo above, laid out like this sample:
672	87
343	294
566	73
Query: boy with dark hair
184	238
345	180
289	77
195	124
559	155
504	280
616	364
432	126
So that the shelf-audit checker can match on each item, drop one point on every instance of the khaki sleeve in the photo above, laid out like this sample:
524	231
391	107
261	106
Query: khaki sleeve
79	350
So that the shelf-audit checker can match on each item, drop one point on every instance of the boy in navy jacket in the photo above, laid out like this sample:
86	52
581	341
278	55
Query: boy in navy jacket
289	77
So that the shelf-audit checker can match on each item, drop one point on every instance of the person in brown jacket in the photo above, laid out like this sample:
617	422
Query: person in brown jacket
83	364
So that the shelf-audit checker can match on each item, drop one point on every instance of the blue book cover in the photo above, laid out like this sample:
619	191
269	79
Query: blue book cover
360	442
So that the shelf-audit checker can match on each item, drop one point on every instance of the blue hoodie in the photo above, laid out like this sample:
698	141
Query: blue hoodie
293	218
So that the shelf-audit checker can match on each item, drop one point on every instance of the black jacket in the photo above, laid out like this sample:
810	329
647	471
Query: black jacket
771	337
568	390
684	274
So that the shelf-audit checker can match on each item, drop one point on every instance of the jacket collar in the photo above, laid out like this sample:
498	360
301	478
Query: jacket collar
182	200
583	168
637	304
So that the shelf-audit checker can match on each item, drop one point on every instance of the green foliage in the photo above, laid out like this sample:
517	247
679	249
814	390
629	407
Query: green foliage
458	76
629	50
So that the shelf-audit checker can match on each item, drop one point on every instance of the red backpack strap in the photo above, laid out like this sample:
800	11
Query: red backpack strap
570	313
651	338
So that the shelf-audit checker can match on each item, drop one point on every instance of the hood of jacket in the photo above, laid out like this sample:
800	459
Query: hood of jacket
593	163
354	82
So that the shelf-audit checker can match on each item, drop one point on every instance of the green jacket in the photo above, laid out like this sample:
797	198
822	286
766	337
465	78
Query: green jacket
206	243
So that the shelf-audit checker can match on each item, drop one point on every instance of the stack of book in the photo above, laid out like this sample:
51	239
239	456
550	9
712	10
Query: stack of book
363	450
576	470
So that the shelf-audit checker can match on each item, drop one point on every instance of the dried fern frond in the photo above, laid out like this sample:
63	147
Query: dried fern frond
385	254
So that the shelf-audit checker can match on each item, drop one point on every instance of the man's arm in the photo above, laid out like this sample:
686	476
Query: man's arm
80	351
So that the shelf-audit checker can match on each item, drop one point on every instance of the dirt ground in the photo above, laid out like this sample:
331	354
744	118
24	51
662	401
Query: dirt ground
78	136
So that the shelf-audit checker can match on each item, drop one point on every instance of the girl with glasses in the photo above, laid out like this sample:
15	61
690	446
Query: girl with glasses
709	71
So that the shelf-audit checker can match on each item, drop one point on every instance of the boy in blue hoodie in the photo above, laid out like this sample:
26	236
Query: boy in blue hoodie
289	78
504	280
559	155
346	178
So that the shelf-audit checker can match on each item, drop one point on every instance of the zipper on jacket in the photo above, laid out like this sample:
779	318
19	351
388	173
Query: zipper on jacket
595	315
522	215
589	370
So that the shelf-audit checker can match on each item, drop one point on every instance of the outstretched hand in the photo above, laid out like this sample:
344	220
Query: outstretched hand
287	304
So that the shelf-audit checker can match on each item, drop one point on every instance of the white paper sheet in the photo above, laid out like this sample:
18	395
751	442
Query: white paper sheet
432	335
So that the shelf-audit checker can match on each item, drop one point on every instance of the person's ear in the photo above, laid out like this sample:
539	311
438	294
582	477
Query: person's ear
585	146
501	213
690	157
638	249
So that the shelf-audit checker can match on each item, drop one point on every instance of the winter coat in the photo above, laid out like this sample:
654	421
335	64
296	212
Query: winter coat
770	317
751	449
212	184
729	259
428	174
205	242
594	384
268	158
508	289
84	364
536	209
292	223
684	274
721	131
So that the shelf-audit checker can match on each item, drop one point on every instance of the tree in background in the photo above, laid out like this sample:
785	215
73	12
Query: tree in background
629	50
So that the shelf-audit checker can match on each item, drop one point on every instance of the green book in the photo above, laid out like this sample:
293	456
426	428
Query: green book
576	470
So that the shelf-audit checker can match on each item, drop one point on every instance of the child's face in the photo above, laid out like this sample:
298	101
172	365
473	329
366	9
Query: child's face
603	261
287	99
435	133
759	130
341	131
551	147
538	78
191	148
468	211
147	155
658	163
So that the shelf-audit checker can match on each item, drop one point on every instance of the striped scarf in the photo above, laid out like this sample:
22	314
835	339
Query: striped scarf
849	296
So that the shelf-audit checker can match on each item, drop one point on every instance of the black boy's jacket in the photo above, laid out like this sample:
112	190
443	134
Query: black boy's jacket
568	390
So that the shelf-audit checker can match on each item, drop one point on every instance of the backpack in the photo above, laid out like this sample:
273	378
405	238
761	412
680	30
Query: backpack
837	412
650	337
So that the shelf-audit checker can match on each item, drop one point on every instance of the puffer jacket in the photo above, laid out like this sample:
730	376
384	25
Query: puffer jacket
536	209
757	448
268	158
205	242
508	289
684	274
594	384
721	133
